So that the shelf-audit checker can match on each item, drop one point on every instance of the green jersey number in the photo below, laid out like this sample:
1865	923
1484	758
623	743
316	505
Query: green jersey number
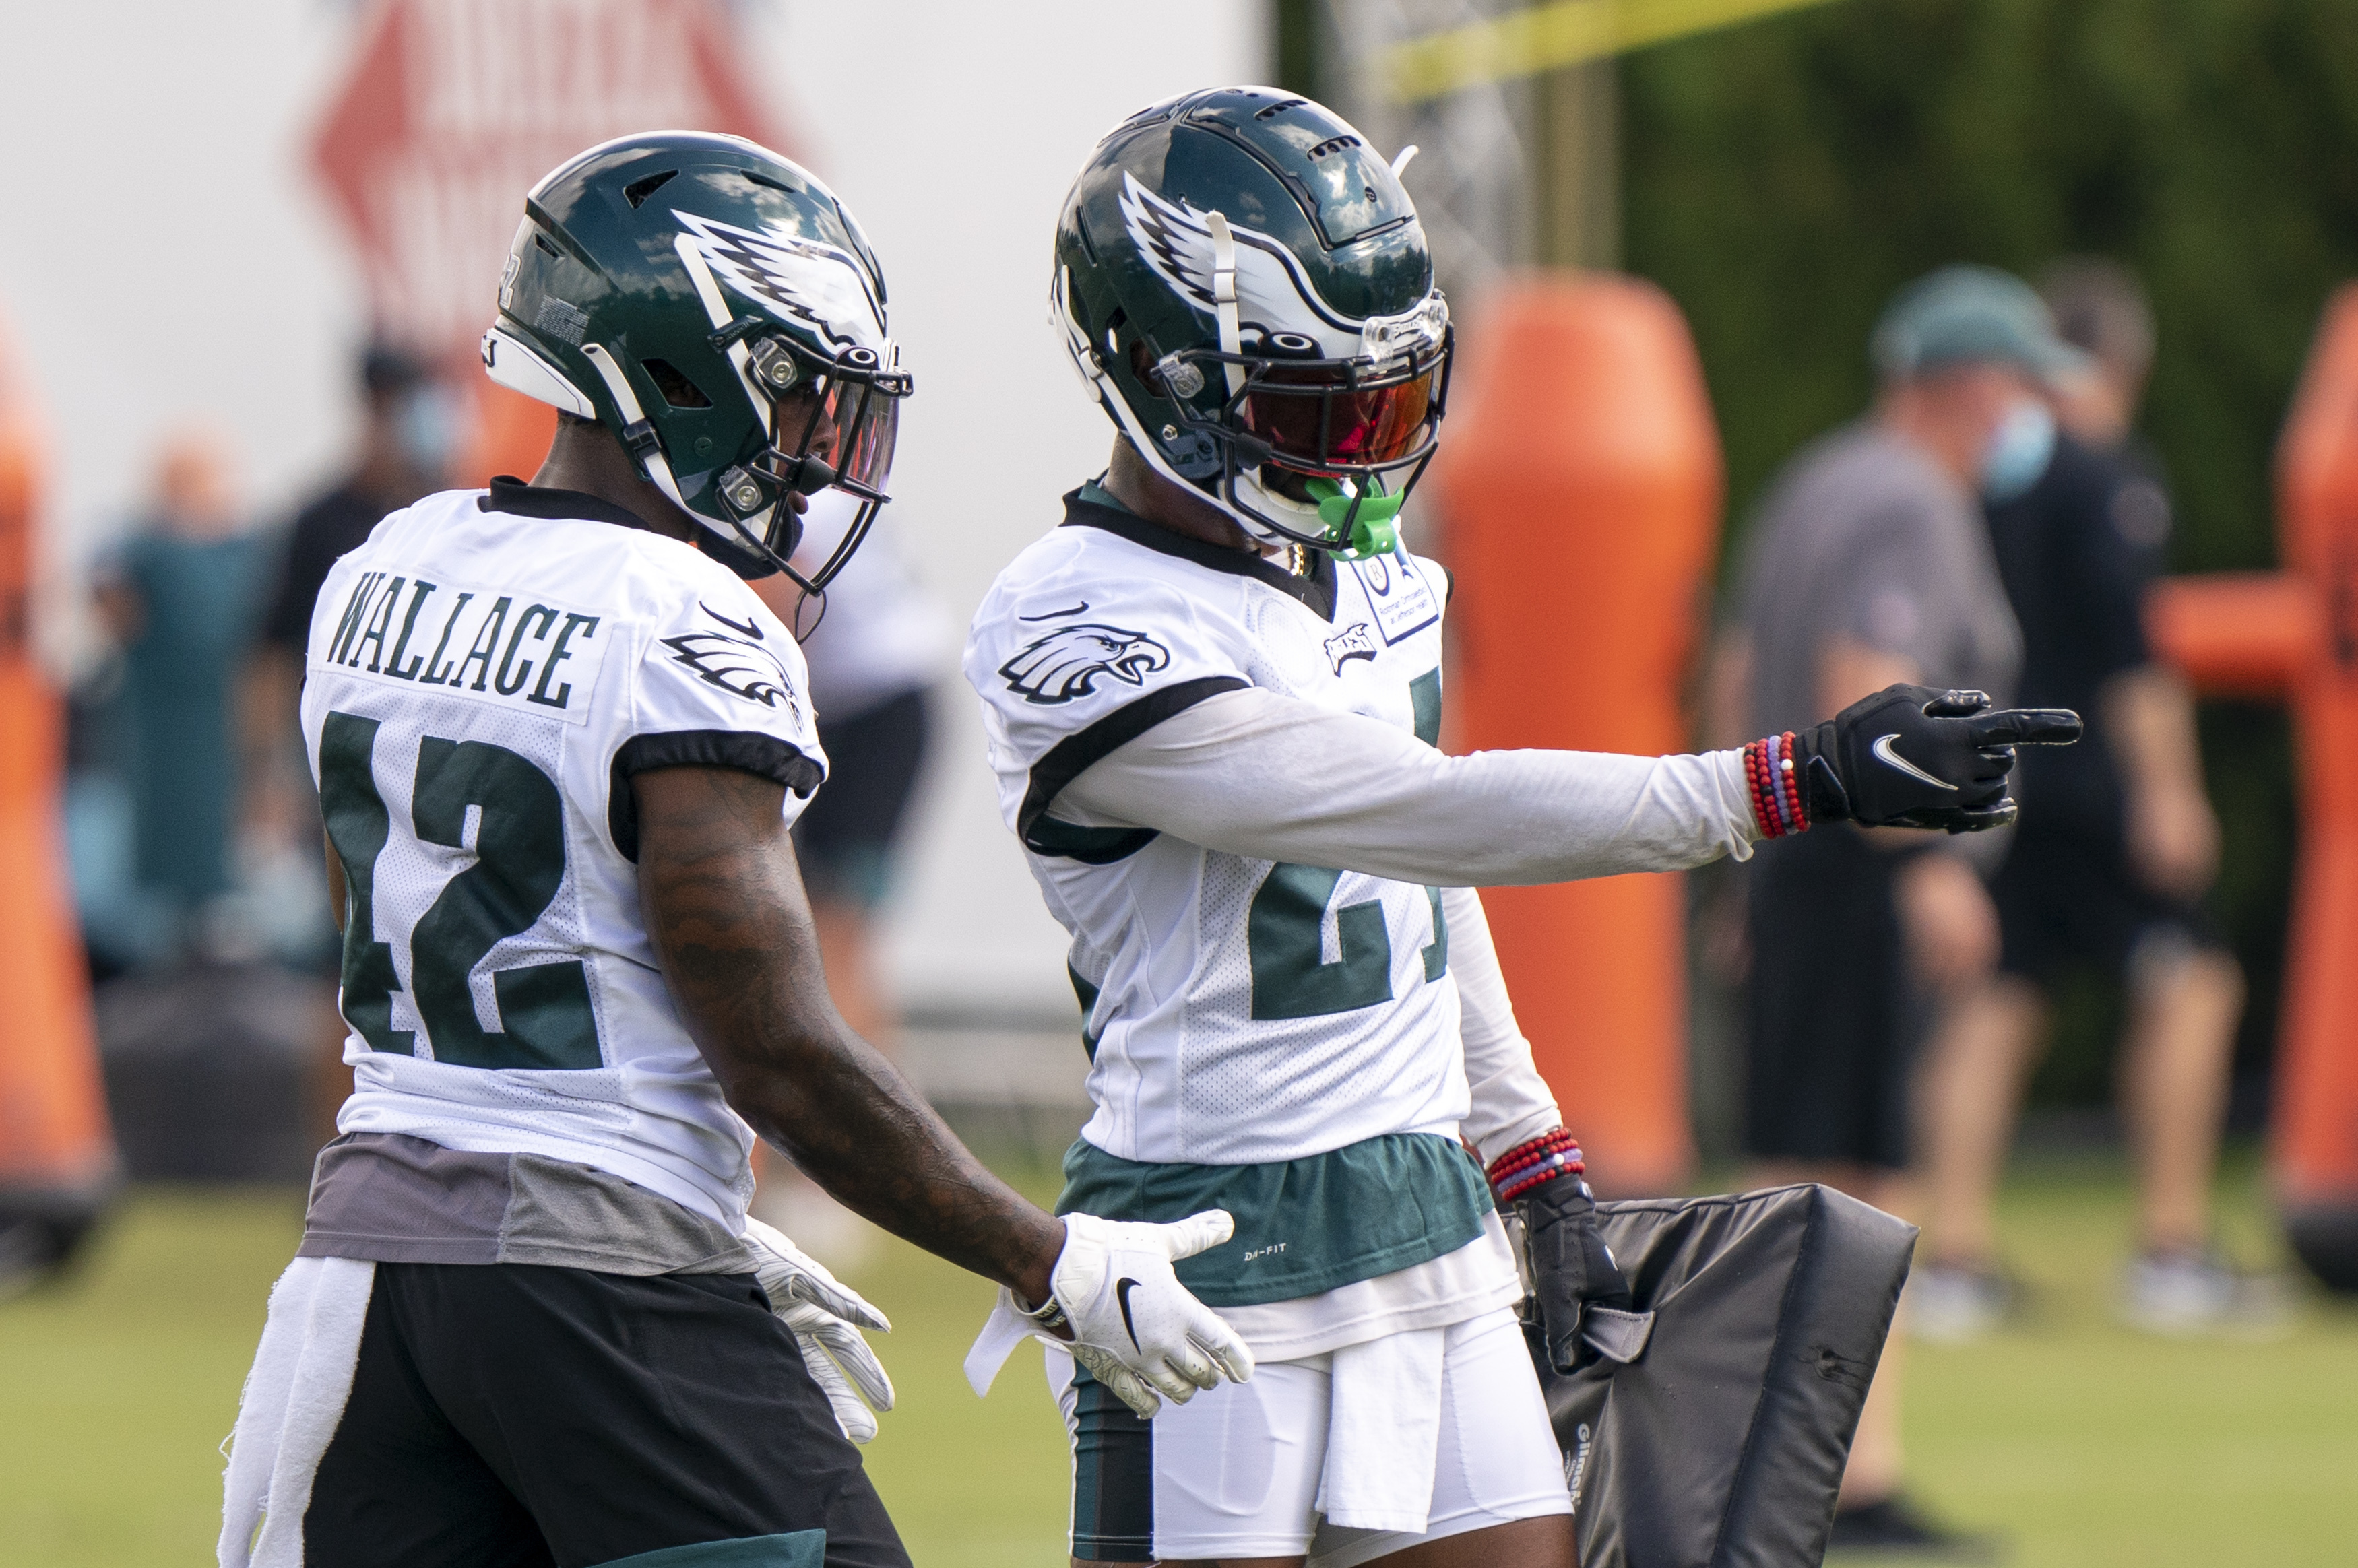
519	864
1283	929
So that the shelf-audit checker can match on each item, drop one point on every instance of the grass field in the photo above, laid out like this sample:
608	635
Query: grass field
2085	1445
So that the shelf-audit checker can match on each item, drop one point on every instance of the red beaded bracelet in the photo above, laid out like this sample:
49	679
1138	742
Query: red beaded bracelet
1777	800
1526	1165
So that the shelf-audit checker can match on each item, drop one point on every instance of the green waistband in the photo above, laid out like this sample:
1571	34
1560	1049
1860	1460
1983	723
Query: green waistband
1302	1226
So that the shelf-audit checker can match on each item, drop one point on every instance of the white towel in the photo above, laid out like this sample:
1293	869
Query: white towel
294	1397
1383	1431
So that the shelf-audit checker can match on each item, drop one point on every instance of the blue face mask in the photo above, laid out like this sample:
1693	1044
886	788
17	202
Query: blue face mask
426	427
2018	451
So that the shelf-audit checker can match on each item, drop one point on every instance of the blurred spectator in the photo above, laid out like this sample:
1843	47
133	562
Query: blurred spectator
409	430
2117	844
180	596
874	655
1869	565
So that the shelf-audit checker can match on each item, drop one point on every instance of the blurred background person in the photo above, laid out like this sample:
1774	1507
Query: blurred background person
1868	564
876	646
877	649
409	430
180	596
2116	847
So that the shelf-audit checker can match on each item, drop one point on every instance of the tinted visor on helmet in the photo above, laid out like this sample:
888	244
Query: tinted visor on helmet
1334	416
1313	418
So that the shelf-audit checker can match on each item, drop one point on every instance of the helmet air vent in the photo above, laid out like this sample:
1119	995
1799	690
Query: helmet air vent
774	184
1279	107
543	244
677	389
638	190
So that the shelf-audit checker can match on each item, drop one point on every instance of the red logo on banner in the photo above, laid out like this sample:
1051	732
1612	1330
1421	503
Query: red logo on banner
453	109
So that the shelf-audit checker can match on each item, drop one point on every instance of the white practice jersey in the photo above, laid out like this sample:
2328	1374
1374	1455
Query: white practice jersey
1239	1011
480	688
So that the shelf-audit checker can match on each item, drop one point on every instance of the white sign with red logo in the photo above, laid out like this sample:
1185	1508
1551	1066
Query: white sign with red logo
453	109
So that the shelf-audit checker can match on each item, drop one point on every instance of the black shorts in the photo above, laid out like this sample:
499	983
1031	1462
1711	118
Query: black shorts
1833	1021
2069	899
845	838
503	1415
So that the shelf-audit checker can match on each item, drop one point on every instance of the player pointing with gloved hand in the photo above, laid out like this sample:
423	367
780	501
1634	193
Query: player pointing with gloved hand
1213	699
1912	757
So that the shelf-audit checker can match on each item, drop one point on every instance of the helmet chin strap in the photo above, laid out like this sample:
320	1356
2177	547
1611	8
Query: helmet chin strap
1093	368
638	436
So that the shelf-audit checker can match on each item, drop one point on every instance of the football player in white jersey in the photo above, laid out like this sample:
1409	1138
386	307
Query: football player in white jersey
1212	699
559	744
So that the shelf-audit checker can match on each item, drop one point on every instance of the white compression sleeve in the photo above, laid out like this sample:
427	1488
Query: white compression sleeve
1270	777
1511	1102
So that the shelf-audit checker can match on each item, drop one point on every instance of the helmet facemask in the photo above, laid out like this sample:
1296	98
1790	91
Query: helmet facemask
830	422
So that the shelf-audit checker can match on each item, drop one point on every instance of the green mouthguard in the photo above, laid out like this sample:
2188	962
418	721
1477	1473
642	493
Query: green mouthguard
1374	531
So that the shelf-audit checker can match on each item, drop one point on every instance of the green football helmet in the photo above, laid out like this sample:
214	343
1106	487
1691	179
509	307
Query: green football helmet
717	308
1244	286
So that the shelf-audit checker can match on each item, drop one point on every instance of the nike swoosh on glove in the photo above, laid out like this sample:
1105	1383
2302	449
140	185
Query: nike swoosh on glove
1137	1329
825	1316
1913	757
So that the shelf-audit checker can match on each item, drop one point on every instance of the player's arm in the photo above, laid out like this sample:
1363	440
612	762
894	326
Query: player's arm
1256	773
732	928
2174	834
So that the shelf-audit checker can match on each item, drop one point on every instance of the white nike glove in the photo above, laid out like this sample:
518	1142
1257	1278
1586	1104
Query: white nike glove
826	1315
1135	1327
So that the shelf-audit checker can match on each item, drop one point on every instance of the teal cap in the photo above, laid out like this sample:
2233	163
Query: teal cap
1964	315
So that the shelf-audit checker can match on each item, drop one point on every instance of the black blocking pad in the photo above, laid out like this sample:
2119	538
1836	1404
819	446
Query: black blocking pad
1721	1445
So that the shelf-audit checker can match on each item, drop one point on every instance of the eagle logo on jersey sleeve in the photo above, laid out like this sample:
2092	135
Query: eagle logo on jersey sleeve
735	661
1066	662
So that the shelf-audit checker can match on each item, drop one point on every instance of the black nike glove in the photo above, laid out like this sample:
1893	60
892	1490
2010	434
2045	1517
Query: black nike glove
1913	757
1572	1269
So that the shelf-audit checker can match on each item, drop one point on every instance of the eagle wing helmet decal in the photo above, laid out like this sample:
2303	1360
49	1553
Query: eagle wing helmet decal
1066	662
1271	288
804	281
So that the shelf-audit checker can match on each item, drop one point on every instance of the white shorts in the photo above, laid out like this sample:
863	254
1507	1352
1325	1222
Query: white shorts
1237	1471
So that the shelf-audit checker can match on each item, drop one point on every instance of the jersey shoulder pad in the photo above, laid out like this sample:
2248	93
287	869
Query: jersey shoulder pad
715	657
1074	631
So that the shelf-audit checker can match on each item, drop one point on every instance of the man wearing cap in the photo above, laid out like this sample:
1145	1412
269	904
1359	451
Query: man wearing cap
1867	564
2116	848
